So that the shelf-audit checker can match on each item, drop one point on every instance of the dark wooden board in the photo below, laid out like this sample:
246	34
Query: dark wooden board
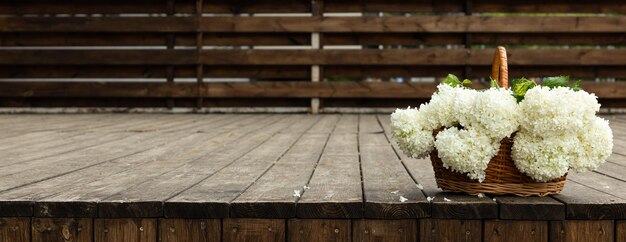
319	230
441	24
190	230
459	206
582	230
62	230
404	230
14	229
583	202
620	231
432	230
530	208
388	189
104	175
214	189
504	231
335	187
272	195
131	230
253	230
430	56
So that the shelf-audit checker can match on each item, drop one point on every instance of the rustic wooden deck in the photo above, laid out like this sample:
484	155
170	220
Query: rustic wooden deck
150	177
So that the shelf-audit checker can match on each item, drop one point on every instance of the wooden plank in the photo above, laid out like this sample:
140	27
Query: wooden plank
450	230
620	231
583	202
14	229
393	24
503	230
190	230
415	39
91	7
582	230
389	191
131	230
335	187
530	208
253	230
272	195
97	24
404	230
16	209
60	195
213	193
434	24
319	230
600	182
98	57
62	229
444	204
431	56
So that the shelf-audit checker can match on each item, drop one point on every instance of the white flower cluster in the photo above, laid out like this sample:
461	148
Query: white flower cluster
558	131
486	118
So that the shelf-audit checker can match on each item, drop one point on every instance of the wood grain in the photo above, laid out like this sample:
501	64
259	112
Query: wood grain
620	231
131	230
389	190
335	186
253	230
62	230
384	230
190	230
319	230
582	230
442	24
505	230
450	230
14	229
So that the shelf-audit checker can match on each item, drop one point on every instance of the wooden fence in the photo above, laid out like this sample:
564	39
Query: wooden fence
185	53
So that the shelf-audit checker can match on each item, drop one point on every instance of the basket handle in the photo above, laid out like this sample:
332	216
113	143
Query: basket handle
499	68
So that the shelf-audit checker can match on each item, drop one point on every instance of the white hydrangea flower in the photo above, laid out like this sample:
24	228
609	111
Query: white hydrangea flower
543	158
466	151
442	105
407	131
597	145
464	106
553	112
495	112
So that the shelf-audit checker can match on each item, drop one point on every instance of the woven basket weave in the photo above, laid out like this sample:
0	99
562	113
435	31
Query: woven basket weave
502	177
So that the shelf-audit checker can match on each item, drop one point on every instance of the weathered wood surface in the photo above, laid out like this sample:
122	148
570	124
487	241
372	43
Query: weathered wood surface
254	166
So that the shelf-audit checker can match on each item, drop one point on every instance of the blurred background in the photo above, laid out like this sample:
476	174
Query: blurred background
293	55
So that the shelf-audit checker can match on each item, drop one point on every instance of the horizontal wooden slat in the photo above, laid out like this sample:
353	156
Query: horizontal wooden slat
433	56
413	24
422	6
473	39
435	24
253	89
248	39
98	24
97	57
93	7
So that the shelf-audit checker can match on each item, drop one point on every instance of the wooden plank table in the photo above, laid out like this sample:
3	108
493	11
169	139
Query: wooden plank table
268	177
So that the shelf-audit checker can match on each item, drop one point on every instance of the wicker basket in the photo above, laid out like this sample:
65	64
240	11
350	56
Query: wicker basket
502	177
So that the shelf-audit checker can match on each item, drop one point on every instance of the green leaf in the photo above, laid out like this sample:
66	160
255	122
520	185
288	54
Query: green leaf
561	81
452	80
520	86
556	81
467	82
494	83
